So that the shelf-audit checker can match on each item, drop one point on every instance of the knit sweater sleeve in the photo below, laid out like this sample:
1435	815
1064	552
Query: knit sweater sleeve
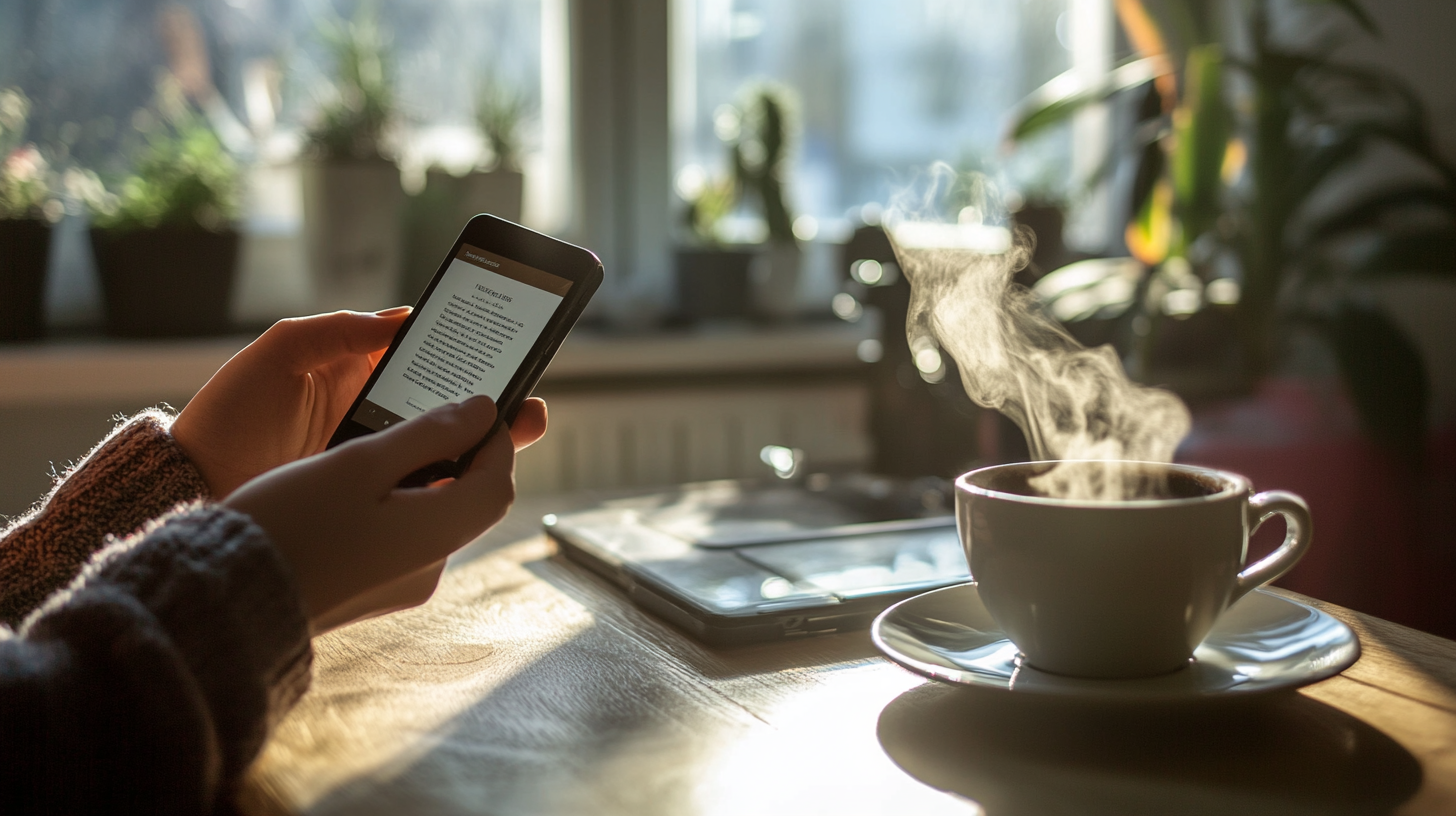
150	683
134	475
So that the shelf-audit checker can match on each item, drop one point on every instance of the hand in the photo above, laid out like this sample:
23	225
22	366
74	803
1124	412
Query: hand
415	588
399	594
358	545
280	398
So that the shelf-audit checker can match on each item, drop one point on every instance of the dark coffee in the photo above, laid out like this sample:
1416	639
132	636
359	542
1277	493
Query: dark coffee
1137	481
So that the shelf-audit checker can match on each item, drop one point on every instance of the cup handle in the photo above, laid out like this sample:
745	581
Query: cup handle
1260	509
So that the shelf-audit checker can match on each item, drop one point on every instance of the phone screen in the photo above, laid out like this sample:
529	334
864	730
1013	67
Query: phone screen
468	339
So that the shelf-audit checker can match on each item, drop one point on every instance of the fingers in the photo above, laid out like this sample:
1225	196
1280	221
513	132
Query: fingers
498	456
530	424
302	343
442	433
486	491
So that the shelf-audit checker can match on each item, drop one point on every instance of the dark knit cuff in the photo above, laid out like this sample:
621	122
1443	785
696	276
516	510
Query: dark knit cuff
135	474
230	605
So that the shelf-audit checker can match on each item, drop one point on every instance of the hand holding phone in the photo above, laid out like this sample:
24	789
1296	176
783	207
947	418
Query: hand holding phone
487	325
280	399
355	546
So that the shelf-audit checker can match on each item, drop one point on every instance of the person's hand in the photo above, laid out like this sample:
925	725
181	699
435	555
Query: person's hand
358	545
280	398
415	588
405	592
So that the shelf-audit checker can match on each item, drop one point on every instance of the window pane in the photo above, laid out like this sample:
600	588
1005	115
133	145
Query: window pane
883	88
91	63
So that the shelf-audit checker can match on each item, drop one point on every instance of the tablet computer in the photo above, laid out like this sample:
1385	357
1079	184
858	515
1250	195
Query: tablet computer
736	562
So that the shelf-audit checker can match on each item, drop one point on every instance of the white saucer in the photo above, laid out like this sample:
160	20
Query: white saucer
1262	643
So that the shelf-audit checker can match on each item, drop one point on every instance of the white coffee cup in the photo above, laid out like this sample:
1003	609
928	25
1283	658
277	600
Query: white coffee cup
1120	588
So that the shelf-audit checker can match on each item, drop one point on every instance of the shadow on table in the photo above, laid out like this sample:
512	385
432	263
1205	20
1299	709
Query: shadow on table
594	723
1286	754
533	737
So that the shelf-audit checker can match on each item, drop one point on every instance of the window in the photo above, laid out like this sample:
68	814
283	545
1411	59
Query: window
883	89
89	65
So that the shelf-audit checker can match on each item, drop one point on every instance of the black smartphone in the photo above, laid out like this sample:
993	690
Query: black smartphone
489	323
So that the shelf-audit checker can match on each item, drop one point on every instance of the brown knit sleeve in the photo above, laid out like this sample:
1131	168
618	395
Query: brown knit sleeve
150	683
134	475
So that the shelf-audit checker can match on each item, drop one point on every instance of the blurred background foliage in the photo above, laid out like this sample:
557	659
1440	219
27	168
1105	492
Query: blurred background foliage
1235	216
182	176
354	123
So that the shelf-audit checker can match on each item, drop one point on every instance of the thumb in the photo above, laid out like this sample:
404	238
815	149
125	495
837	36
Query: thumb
304	343
441	433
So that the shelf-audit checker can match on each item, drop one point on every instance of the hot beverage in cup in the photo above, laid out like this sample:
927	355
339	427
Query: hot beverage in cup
1128	583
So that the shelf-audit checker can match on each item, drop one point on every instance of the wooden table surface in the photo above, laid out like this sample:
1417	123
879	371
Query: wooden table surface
529	686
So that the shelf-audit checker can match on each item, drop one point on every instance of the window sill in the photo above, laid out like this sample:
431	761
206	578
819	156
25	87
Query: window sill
105	370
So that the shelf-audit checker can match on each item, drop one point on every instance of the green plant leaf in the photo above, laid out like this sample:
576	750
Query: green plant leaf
1339	144
1356	11
1385	372
1202	125
184	177
500	112
354	125
1151	163
1154	233
1425	253
760	154
1374	82
1371	210
1058	100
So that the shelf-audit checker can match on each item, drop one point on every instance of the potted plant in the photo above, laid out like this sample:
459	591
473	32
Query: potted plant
500	113
352	198
166	244
712	275
760	164
1222	217
27	210
758	135
435	215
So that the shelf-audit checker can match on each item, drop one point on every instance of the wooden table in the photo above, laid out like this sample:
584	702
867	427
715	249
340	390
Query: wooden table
528	686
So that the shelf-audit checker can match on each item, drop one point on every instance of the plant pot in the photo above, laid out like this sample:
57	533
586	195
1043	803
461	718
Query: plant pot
24	251
167	281
351	216
713	283
775	274
433	218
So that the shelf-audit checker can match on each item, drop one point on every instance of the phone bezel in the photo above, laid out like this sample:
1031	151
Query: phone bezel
525	246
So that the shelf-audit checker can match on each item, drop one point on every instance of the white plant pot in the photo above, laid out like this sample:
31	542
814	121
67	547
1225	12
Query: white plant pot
436	215
497	192
775	275
351	213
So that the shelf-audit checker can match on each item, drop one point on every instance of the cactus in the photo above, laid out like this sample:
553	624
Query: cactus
759	157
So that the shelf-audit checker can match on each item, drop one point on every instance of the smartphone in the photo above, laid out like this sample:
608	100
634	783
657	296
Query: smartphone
489	323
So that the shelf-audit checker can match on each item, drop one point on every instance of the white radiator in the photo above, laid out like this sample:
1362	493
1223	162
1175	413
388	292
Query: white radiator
641	438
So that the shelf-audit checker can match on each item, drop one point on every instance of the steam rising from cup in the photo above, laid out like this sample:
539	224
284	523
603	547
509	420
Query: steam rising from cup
1071	402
